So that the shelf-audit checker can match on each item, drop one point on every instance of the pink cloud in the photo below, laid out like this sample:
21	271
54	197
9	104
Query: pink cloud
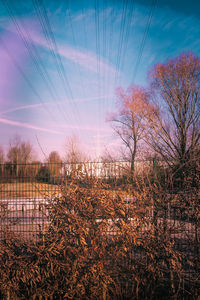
85	128
103	136
85	59
27	125
31	106
20	108
11	49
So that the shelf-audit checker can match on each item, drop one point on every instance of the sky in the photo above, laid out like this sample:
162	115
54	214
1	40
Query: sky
61	63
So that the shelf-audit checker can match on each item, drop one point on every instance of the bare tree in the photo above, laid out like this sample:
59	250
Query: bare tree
34	167
54	157
175	133
130	123
2	159
73	152
1	155
13	154
107	156
74	157
26	152
55	163
19	152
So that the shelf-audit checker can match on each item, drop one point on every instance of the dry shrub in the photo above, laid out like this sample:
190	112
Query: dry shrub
97	247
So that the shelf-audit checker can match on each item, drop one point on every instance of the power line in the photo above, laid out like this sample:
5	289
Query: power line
121	37
144	39
58	60
33	53
49	44
98	63
110	52
124	44
75	43
27	80
125	27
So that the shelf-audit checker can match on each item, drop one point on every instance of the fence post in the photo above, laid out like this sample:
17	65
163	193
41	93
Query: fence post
197	241
155	212
168	210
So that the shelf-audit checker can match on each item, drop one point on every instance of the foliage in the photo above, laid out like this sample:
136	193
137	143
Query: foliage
2	158
43	174
131	121
96	247
74	153
55	167
174	132
19	151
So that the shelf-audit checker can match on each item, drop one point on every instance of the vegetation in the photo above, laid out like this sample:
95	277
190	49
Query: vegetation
132	237
174	132
97	246
27	189
131	123
166	117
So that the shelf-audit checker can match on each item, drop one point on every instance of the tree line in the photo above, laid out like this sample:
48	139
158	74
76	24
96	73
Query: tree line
159	121
21	160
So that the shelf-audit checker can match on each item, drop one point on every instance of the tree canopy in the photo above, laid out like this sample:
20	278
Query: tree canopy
132	119
176	87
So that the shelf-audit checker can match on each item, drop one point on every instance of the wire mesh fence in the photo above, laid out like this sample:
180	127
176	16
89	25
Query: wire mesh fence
26	189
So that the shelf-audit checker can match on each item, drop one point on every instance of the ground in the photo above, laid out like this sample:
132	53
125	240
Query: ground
27	189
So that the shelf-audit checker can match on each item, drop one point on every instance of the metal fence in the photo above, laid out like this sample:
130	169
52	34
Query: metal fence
25	189
46	171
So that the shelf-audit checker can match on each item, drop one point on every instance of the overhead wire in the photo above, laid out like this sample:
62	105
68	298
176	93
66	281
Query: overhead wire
128	21
67	117
121	38
104	51
120	41
142	45
84	29
76	46
98	68
121	33
84	25
107	48
23	74
33	53
101	21
110	82
60	68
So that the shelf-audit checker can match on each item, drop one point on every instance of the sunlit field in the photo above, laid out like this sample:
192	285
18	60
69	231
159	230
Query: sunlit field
27	190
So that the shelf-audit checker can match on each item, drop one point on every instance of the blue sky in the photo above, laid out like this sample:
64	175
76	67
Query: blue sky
61	64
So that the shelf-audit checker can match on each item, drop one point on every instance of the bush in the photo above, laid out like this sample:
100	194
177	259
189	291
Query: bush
43	174
96	247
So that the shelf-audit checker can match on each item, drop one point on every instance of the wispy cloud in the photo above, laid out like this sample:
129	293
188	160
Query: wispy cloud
86	59
20	108
87	15
68	101
27	125
103	136
86	128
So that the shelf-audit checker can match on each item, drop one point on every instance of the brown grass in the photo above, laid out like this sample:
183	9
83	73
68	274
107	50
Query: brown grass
27	189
